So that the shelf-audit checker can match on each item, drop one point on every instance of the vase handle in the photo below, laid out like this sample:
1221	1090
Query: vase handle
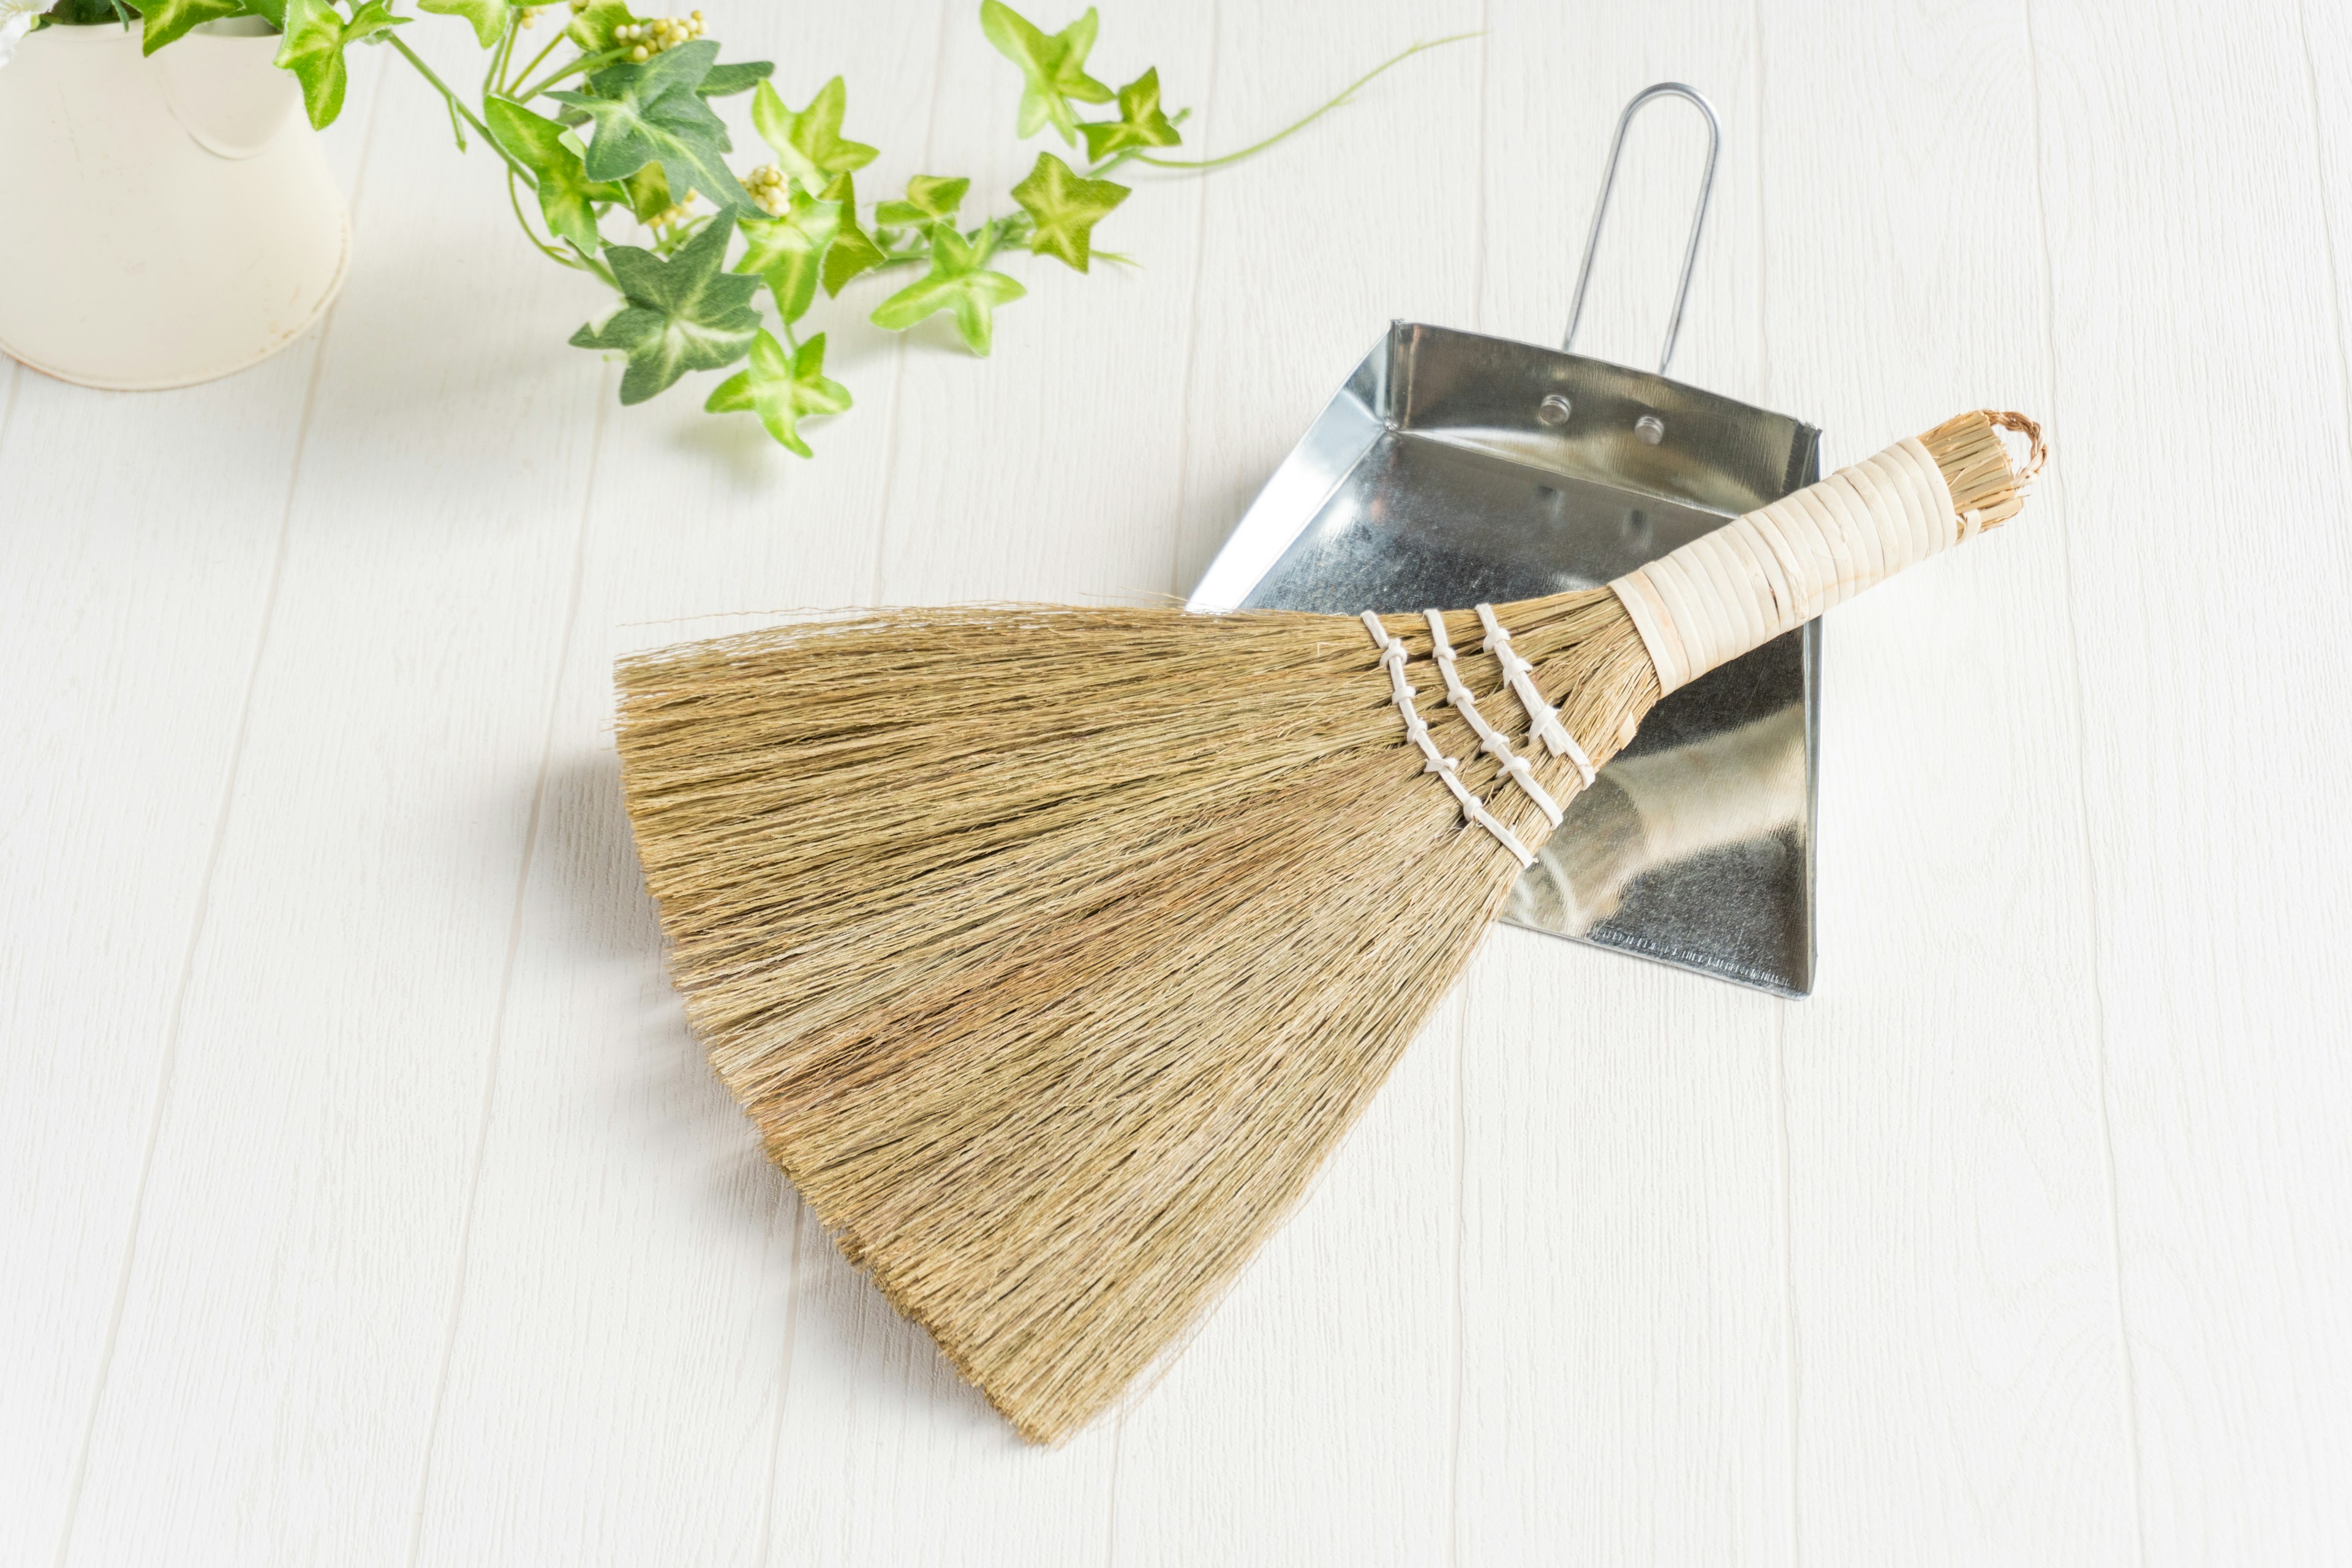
224	89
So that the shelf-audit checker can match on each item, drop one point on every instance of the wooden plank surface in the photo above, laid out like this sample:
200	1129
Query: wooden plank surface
1957	1355
369	1203
144	541
308	1182
2199	309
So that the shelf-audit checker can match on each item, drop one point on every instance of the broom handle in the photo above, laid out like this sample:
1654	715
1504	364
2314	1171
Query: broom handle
1776	568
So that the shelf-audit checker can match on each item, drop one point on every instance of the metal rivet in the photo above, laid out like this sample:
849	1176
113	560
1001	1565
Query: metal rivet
1650	428
1553	410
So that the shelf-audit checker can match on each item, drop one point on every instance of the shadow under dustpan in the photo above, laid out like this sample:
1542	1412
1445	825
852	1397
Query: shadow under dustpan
1454	468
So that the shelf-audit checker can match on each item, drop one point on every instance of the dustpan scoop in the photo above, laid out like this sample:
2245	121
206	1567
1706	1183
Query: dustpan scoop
1454	468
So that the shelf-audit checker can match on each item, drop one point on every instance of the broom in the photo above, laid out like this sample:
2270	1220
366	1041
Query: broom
1044	944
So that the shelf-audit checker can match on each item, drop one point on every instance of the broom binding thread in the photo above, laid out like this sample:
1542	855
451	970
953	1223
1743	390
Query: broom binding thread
1393	654
1543	718
1490	740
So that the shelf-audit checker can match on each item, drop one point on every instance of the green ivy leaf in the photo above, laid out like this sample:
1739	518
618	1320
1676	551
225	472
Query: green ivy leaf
1053	69
929	200
1066	207
649	195
566	194
678	315
652	113
1140	124
270	11
789	252
316	37
592	29
490	18
169	20
851	251
809	143
736	76
782	390
958	282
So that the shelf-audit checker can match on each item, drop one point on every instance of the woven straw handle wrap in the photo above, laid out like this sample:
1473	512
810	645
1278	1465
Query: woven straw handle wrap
1773	570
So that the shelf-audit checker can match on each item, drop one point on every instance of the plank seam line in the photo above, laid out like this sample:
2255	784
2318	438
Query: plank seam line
881	565
1791	1380
1478	248
8	409
2327	224
1763	281
1461	1212
2082	787
1457	1350
784	1372
1110	1492
166	1069
506	976
899	349
1791	1384
1176	534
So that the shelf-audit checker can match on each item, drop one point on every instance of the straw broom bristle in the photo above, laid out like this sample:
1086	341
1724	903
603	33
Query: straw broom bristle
1052	948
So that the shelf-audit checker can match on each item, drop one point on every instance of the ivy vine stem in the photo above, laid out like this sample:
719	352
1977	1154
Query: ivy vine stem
456	105
536	60
456	127
500	58
1197	166
583	63
561	257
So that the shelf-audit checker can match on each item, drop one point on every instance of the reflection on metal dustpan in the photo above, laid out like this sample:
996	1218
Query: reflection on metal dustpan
1454	468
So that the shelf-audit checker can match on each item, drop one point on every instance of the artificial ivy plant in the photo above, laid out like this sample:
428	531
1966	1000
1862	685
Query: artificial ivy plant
608	127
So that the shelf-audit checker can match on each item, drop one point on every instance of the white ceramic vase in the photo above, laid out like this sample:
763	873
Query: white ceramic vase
164	220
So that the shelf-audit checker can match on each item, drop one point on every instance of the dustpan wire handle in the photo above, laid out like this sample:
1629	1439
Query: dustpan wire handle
1698	218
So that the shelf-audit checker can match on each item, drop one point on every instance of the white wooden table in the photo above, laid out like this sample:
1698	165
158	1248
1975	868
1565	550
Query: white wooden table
363	1200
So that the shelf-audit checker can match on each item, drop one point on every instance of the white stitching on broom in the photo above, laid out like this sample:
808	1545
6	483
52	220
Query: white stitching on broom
1416	729
1543	718
1393	656
1490	740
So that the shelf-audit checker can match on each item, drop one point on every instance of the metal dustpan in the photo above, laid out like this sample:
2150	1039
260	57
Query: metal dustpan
1454	468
